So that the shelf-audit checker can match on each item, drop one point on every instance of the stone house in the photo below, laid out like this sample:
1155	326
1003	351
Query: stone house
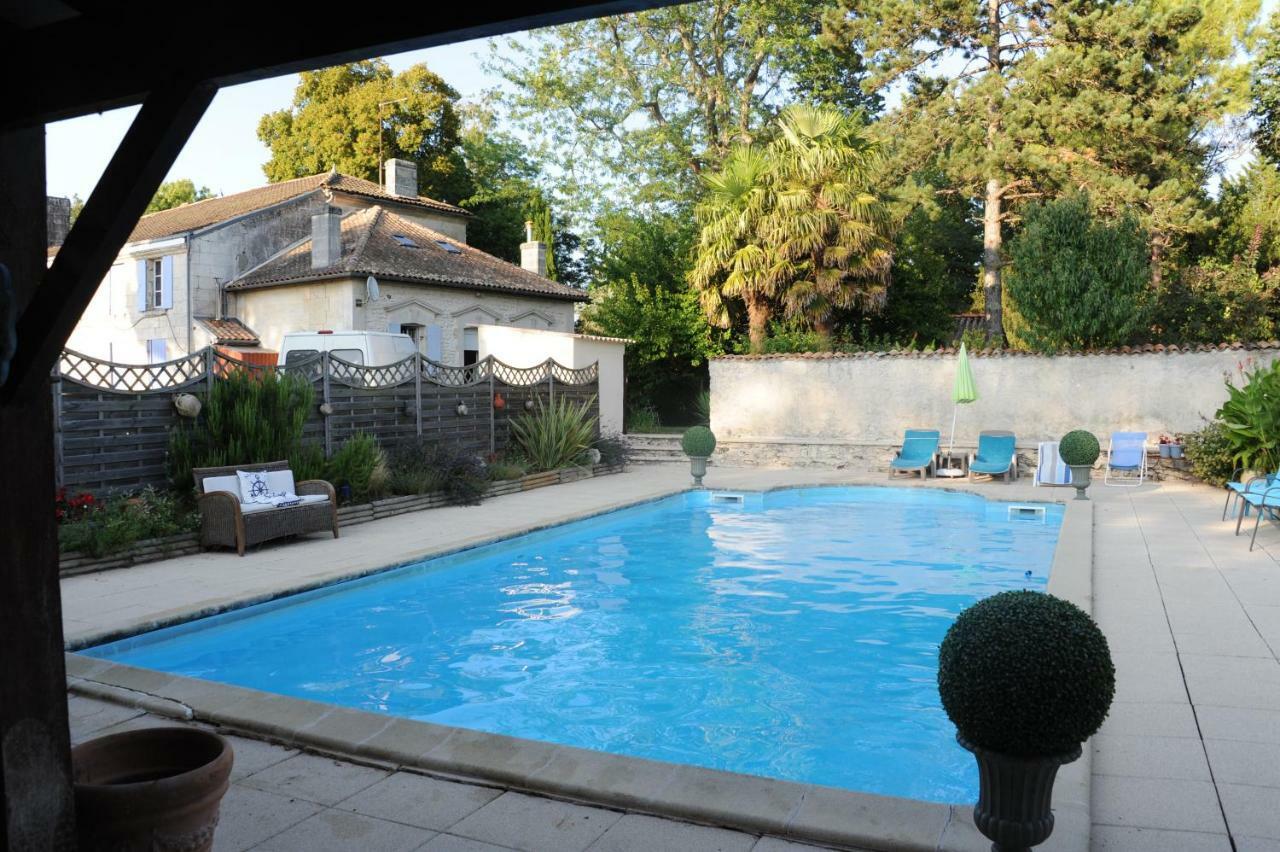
327	251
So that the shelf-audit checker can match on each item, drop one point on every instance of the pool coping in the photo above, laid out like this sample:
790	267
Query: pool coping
797	811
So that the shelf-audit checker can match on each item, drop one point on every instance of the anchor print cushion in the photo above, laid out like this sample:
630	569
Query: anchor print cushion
255	487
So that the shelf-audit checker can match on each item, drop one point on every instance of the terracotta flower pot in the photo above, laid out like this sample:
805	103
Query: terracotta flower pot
150	790
1015	797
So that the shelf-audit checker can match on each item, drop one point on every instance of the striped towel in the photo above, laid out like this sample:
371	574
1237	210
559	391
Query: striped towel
1051	469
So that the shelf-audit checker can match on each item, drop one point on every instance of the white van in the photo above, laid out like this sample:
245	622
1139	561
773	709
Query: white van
367	348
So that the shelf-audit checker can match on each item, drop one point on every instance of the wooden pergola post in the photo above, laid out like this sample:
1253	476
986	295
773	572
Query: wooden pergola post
35	763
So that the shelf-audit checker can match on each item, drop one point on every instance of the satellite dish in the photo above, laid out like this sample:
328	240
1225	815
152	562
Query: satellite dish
371	289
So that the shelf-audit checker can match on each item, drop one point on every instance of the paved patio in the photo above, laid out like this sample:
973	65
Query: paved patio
1188	760
282	800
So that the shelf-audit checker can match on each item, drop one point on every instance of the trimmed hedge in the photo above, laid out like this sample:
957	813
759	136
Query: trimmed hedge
1079	447
1026	674
698	441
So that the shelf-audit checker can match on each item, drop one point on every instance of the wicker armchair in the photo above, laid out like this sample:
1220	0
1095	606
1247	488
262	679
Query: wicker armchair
223	523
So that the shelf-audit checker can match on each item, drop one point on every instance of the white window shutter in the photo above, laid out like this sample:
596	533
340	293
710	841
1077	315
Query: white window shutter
435	343
142	286
166	281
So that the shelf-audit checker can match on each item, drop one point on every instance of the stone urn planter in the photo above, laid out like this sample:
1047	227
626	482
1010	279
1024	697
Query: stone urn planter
150	790
1026	678
698	444
1079	450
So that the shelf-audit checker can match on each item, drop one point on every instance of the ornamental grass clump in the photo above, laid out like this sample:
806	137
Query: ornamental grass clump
557	434
1025	674
1079	448
698	442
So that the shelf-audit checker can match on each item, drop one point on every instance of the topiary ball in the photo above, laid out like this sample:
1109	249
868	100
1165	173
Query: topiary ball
1079	447
698	441
1026	674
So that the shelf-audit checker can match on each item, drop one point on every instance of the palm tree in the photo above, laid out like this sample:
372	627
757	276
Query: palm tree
794	224
730	262
831	234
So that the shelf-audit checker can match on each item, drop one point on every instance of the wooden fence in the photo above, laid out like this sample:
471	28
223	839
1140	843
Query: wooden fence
112	421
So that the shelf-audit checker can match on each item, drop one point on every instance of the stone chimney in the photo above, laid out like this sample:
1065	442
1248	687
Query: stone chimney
57	219
533	253
326	238
400	177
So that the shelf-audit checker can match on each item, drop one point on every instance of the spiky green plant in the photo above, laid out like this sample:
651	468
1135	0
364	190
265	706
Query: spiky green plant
556	434
248	417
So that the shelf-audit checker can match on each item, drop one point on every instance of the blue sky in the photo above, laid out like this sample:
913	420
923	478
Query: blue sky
224	153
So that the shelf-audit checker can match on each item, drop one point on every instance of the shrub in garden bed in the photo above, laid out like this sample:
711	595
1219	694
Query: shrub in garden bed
1210	453
425	467
117	523
556	435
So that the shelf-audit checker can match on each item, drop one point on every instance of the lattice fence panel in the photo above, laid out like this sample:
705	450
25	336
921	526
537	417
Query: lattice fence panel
113	420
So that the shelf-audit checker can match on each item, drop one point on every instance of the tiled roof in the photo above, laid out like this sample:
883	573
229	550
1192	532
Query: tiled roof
370	247
229	331
200	214
1144	349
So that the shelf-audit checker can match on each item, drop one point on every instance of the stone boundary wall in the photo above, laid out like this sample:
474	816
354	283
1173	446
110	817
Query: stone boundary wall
836	410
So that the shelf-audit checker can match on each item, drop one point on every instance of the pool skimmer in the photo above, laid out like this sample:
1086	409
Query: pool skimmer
1027	513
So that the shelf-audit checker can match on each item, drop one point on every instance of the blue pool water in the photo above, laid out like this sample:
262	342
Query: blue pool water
794	636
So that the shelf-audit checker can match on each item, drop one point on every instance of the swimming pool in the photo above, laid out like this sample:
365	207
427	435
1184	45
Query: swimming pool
793	635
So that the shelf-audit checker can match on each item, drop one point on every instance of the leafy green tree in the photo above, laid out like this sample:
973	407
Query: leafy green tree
1078	282
645	102
175	193
1249	210
1266	93
1026	99
935	269
1123	104
339	114
959	63
505	185
794	222
1219	301
639	292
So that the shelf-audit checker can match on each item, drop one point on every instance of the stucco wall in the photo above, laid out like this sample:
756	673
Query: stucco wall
272	311
113	328
870	399
521	347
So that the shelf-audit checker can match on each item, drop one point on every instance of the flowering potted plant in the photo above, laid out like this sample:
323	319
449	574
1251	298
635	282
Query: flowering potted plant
1026	677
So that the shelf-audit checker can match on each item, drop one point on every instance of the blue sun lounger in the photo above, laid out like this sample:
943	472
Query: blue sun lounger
996	455
918	449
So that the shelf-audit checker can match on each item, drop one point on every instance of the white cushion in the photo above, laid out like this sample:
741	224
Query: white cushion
222	483
255	488
280	481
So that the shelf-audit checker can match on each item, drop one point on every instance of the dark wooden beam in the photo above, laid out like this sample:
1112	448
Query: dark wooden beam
144	157
103	60
35	763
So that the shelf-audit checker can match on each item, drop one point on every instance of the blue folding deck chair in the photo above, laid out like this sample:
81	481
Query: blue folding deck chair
1126	454
996	455
919	446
